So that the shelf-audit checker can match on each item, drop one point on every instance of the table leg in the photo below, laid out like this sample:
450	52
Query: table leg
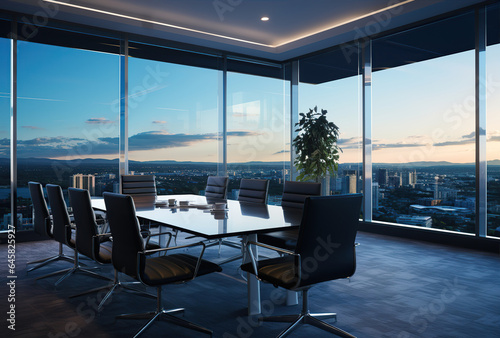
292	297
253	284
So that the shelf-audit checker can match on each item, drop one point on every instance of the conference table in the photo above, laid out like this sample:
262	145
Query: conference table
198	218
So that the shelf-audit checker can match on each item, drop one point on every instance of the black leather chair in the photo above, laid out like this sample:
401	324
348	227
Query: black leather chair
216	187
142	188
89	242
130	257
253	190
325	251
294	195
63	232
98	246
43	224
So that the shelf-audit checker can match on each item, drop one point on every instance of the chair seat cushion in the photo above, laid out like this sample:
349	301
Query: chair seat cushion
105	250
174	268
279	271
286	239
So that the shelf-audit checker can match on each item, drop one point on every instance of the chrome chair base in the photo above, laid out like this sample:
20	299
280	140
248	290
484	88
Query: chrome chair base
112	288
166	314
68	272
305	317
45	261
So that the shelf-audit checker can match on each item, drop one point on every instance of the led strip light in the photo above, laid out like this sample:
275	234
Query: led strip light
225	36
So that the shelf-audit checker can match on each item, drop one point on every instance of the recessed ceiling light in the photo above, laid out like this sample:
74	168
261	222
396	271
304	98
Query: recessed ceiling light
264	18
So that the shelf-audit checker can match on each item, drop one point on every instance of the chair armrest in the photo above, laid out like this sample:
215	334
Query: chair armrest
158	234
288	252
148	252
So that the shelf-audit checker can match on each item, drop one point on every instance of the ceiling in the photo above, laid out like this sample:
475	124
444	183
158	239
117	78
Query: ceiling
295	27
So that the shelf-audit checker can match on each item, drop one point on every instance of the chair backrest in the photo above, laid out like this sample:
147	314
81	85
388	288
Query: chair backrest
142	188
253	190
60	216
86	226
125	229
216	187
41	219
326	237
295	193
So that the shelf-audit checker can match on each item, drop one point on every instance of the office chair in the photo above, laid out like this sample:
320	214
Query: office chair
63	232
216	187
43	224
326	241
130	257
294	195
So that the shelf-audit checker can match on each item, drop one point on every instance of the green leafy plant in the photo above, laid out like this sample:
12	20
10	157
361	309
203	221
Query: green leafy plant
316	146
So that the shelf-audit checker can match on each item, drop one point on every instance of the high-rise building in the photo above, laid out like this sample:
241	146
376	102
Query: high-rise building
82	181
383	177
409	178
375	195
394	181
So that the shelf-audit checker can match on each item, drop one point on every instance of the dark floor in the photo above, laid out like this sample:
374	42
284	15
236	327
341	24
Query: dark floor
401	289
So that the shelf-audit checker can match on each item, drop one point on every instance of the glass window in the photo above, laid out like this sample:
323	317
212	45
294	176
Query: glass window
67	120
258	132
423	126
331	81
173	124
493	119
5	134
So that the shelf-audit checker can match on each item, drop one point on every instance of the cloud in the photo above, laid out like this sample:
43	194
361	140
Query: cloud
98	120
31	127
52	147
456	143
242	133
281	152
159	122
377	146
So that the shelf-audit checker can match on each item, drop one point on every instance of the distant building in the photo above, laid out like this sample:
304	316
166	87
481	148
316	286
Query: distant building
383	177
7	220
425	221
409	178
82	181
394	181
375	195
447	194
349	184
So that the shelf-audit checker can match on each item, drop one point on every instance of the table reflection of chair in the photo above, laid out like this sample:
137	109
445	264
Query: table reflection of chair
253	198
325	251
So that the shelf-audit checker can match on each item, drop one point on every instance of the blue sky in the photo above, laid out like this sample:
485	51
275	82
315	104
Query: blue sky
68	109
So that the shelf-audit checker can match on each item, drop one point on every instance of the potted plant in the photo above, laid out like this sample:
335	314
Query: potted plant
316	146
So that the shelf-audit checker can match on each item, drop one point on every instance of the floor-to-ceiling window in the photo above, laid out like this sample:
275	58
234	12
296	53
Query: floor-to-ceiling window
493	119
331	81
173	124
67	119
423	125
258	132
5	134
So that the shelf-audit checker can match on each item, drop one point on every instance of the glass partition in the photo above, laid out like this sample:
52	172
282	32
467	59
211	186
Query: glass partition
423	125
173	124
67	120
332	81
258	132
493	119
5	195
